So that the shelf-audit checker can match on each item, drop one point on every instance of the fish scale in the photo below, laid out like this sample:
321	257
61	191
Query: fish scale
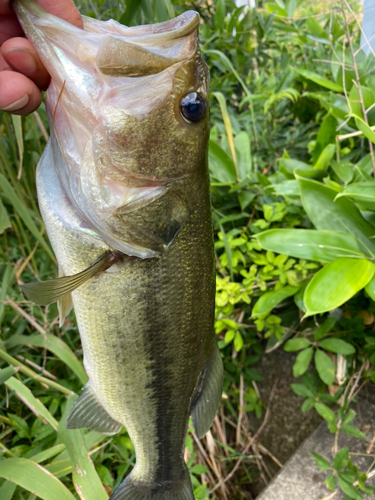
136	179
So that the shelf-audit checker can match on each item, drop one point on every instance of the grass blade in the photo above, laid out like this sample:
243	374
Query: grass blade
34	478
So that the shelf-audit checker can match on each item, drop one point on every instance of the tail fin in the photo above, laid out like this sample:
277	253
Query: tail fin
133	489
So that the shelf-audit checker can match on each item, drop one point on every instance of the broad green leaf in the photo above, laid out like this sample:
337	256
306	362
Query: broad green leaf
242	147
4	218
287	188
322	246
341	459
348	488
24	213
221	165
321	462
315	28
219	14
302	362
302	390
343	169
238	341
327	414
353	431
362	192
32	402
320	80
55	345
34	478
364	128
368	97
326	137
325	157
47	454
289	165
325	367
370	289
337	345
85	477
330	482
336	283
290	7
338	215
269	300
296	344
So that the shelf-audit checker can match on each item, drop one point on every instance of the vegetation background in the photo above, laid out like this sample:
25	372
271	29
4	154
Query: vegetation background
293	193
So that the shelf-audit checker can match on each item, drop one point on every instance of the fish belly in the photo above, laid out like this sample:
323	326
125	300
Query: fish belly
146	328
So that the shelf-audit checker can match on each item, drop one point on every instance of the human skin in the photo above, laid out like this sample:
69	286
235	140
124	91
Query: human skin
22	74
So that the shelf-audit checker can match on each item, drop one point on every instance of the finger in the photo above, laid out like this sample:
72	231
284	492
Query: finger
18	94
21	56
65	9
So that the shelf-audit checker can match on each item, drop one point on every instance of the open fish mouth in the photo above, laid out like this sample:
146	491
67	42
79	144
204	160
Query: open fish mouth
110	85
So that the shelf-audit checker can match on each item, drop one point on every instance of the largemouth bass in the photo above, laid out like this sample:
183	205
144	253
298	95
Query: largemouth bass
123	189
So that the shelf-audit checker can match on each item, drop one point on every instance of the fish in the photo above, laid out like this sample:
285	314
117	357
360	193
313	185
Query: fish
123	189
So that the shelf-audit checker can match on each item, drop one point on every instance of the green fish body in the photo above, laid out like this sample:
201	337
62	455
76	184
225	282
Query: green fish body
123	189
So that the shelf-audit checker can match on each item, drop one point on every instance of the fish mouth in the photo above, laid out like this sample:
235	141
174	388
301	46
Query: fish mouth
118	50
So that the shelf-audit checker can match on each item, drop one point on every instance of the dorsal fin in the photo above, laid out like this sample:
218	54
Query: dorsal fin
47	292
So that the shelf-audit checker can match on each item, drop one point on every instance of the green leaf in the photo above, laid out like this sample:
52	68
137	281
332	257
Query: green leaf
326	136
7	490
302	390
296	344
34	478
132	7
348	488
361	192
320	80
325	157
336	283
338	215
337	345
221	165
321	462
325	367
364	128
341	459
85	477
327	414
309	244
243	154
227	123
24	213
238	341
55	345
32	402
330	482
302	362
6	373
269	300
370	289
4	218
353	431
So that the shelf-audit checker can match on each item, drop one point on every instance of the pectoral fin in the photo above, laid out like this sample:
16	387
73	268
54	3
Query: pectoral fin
207	404
88	413
65	304
47	292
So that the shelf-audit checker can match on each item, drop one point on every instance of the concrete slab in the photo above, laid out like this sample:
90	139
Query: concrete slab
301	479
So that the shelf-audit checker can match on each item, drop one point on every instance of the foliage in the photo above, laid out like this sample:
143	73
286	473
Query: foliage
293	195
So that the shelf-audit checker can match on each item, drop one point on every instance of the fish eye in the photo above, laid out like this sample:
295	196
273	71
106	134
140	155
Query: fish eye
192	107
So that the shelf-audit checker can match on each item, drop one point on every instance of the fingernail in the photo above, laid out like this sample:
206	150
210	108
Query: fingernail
22	60
17	105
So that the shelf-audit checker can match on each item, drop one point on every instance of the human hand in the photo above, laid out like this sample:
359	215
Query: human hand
22	74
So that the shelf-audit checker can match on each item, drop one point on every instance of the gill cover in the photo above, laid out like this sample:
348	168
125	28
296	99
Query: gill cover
105	79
